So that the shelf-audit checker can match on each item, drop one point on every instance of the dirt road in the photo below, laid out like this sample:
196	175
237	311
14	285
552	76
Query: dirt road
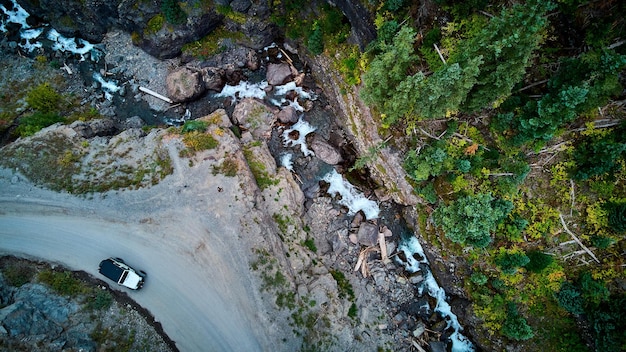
187	239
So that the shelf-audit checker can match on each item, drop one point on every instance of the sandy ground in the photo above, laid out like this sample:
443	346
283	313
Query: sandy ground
192	239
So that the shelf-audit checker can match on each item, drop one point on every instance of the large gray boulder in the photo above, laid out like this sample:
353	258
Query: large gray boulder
326	152
278	74
254	116
288	115
184	84
367	234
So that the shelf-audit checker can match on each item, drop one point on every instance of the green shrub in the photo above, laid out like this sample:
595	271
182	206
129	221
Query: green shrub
310	244
607	322
31	124
570	298
62	282
18	275
155	24
429	162
315	42
479	278
470	219
100	301
617	216
198	141
44	99
510	261
594	291
173	13
194	125
597	157
538	261
515	325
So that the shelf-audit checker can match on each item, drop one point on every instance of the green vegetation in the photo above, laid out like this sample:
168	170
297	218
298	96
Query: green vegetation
262	177
471	219
211	44
173	13
515	131
63	282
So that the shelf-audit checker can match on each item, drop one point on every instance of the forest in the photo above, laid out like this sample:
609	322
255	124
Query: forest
511	120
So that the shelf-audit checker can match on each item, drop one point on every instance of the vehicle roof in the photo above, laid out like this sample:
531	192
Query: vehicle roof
110	270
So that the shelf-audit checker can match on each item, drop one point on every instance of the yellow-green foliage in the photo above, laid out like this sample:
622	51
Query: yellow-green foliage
597	217
44	98
155	24
231	14
544	220
198	141
211	44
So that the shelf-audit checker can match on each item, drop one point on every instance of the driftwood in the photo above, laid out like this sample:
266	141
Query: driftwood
155	94
577	240
440	55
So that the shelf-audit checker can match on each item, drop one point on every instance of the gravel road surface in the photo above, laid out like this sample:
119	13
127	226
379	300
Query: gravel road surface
185	235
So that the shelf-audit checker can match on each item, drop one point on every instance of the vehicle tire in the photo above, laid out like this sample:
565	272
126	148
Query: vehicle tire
119	260
143	273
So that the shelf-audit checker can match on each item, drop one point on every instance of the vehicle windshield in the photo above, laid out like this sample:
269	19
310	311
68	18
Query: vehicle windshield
123	278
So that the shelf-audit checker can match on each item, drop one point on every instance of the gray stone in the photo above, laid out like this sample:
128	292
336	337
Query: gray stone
337	243
213	78
278	74
55	308
368	234
133	122
416	279
288	115
419	329
240	5
184	84
254	116
437	346
326	152
100	127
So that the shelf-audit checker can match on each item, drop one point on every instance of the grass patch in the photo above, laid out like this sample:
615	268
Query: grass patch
63	282
211	44
262	177
196	141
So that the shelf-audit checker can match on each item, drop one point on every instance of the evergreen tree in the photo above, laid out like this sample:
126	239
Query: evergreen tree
388	69
506	45
470	219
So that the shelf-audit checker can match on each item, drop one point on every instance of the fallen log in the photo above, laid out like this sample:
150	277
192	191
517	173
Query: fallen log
155	94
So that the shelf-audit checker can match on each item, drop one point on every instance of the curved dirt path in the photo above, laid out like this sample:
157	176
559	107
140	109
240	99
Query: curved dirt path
188	237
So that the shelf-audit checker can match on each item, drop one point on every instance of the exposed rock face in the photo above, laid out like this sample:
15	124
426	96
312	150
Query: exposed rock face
35	313
100	128
360	19
388	170
166	43
184	84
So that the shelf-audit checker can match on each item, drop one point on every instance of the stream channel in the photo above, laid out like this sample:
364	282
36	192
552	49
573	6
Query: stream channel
288	144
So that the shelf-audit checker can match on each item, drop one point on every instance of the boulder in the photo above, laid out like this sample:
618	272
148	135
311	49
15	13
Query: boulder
367	234
184	84
213	78
326	152
99	127
251	114
278	74
288	115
